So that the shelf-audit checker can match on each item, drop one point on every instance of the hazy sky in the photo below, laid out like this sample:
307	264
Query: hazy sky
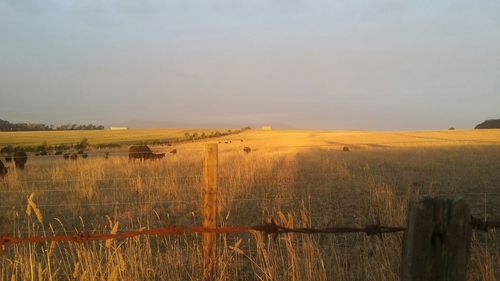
390	64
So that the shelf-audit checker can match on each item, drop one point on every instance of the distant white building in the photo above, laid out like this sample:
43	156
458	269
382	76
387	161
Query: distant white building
118	128
267	128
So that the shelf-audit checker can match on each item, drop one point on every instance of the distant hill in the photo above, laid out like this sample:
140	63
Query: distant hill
489	124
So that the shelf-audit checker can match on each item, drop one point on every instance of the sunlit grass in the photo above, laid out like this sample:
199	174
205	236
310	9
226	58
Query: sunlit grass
96	137
298	178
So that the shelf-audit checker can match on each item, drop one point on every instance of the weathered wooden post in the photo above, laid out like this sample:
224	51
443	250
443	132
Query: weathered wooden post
436	241
209	194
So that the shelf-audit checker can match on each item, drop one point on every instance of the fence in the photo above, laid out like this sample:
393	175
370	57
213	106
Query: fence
435	245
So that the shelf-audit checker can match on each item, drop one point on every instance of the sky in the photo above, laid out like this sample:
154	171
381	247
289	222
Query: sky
353	64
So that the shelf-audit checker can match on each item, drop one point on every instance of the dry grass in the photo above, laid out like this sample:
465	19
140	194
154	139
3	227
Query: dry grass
96	136
295	177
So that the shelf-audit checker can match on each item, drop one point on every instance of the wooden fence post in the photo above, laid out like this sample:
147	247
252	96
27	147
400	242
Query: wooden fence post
436	241
209	194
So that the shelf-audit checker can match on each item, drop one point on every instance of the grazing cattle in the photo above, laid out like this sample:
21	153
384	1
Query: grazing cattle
80	151
3	169
85	155
345	148
66	156
73	156
20	159
44	153
8	158
106	155
247	149
173	151
142	152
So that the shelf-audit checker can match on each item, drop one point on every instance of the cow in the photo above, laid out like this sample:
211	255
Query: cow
59	152
173	151
73	156
247	149
3	169
142	152
66	156
20	159
345	148
85	155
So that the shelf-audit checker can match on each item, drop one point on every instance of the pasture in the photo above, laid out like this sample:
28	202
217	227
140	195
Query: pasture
298	178
96	137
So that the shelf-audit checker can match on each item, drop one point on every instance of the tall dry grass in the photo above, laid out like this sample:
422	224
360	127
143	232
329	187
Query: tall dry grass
296	187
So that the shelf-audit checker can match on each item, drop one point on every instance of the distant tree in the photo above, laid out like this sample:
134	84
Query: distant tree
7	126
20	148
42	147
84	143
489	124
7	149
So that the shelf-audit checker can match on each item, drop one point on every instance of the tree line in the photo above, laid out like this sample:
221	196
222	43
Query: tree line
8	126
203	135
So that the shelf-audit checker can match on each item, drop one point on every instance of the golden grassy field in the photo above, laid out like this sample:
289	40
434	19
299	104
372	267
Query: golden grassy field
296	177
95	136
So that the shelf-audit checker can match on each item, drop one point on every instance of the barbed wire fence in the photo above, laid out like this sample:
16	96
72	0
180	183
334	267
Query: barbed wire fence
269	228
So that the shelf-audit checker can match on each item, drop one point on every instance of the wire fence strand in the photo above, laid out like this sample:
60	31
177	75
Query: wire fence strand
270	228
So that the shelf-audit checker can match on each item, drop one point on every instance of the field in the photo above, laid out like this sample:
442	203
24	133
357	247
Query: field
96	137
298	178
